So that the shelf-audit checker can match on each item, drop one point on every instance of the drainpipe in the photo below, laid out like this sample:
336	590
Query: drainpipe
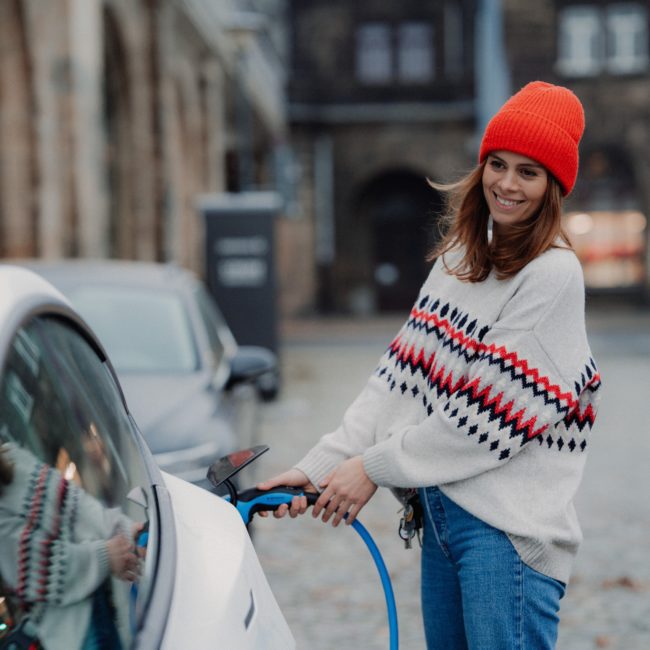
324	219
492	75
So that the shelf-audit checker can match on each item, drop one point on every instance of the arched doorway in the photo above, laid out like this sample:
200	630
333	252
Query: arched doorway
400	212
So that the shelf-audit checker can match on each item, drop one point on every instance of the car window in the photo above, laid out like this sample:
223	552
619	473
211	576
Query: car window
69	445
142	330
221	340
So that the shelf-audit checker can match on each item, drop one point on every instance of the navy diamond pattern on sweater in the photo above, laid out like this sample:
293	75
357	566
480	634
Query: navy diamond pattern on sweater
460	338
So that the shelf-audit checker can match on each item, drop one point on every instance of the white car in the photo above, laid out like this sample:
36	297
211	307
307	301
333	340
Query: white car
62	408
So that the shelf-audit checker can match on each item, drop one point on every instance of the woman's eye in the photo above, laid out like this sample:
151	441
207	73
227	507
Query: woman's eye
496	164
530	173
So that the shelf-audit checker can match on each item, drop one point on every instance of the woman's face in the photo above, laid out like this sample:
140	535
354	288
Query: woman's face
514	186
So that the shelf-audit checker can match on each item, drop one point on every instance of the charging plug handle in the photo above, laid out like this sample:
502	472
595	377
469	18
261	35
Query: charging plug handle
254	500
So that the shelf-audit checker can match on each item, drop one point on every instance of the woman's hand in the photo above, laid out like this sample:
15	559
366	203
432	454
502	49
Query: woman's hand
122	558
346	490
292	478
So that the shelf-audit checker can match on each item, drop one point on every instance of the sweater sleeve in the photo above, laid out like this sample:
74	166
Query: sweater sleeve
53	535
357	430
46	569
80	561
530	373
355	434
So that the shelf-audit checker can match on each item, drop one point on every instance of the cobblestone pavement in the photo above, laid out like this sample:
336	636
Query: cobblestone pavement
325	580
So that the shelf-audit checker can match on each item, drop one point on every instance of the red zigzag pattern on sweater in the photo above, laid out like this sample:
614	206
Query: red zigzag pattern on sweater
474	347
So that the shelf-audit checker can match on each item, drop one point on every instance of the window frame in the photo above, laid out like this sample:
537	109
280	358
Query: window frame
423	54
577	57
622	63
586	51
369	69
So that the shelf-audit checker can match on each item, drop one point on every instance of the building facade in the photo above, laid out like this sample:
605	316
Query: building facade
601	50
116	114
381	98
386	95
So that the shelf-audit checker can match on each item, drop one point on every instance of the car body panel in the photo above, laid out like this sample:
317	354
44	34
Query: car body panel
233	595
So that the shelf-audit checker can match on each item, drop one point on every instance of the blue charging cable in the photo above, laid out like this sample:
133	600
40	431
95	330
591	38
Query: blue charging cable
385	581
253	500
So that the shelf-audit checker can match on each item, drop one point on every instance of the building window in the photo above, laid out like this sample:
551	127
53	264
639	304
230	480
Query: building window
404	53
580	41
591	39
627	38
415	58
374	57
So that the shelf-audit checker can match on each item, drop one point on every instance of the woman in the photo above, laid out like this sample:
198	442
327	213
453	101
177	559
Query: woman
485	400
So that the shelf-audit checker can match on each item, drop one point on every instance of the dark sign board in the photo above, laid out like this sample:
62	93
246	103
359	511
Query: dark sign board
240	262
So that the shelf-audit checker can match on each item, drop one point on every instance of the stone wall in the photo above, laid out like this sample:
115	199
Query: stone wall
113	119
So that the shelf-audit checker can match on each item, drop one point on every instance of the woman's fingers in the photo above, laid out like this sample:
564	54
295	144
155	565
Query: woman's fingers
298	506
332	507
353	512
341	511
281	511
322	501
346	489
292	478
329	506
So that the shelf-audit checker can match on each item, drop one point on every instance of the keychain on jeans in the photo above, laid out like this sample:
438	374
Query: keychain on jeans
411	522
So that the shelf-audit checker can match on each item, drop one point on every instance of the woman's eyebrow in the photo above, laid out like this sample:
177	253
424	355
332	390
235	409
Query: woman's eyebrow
524	164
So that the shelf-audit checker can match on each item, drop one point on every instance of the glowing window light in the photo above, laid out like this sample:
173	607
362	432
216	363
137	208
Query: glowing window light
580	223
635	222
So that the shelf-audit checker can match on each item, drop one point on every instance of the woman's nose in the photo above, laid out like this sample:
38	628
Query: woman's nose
509	180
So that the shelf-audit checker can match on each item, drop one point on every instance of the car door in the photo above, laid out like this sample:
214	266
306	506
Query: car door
73	475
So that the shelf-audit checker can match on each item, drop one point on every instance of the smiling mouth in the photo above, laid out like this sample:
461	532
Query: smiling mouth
506	203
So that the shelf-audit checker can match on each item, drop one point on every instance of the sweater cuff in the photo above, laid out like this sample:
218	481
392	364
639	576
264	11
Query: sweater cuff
103	560
374	463
316	465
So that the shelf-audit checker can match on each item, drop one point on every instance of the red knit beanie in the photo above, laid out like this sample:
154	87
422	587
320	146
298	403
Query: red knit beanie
543	122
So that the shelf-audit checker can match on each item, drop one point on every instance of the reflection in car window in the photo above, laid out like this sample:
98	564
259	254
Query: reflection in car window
214	325
142	330
68	445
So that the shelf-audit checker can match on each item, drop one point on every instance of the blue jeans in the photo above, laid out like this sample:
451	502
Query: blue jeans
477	594
102	631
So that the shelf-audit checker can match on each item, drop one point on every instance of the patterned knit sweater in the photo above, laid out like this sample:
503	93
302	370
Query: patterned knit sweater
488	391
53	552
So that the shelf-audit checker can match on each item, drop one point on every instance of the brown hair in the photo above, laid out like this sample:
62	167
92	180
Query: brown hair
465	224
6	470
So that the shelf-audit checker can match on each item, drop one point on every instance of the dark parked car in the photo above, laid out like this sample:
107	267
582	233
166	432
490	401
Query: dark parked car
192	390
74	471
